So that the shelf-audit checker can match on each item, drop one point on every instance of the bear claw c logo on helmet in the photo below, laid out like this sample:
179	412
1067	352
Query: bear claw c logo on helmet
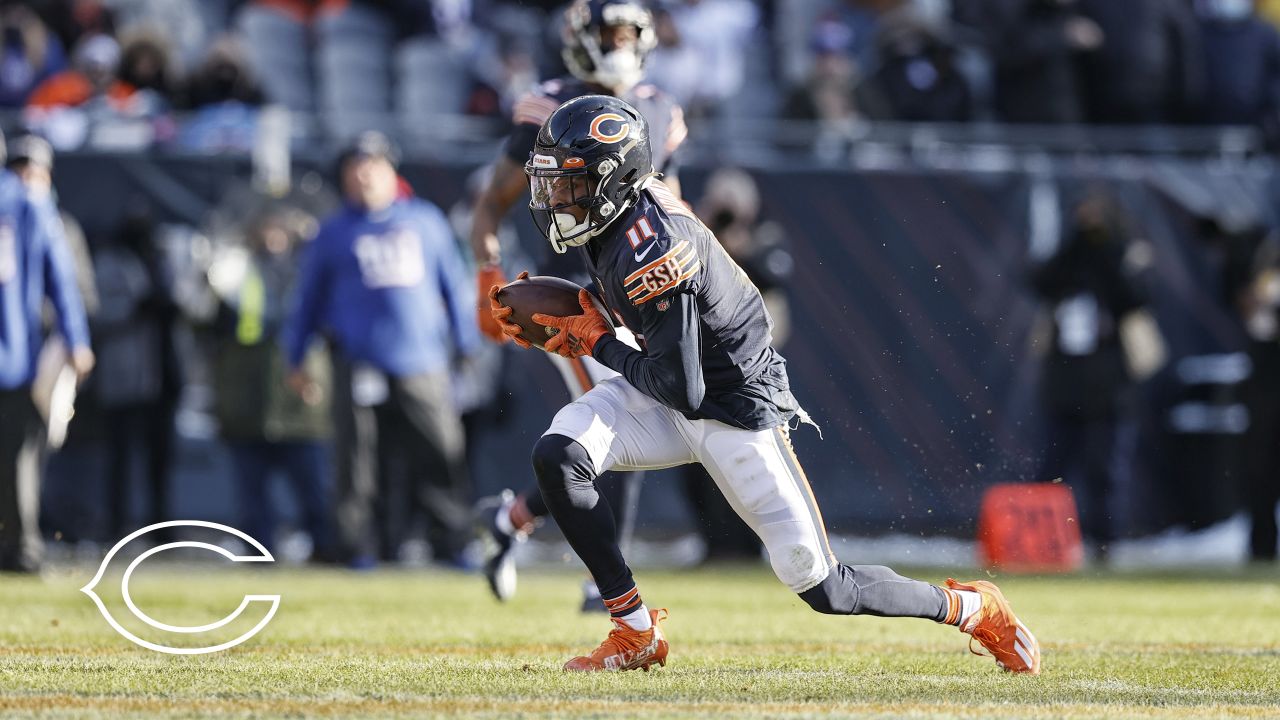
623	128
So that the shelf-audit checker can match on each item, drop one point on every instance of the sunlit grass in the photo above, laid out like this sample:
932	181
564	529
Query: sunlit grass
404	643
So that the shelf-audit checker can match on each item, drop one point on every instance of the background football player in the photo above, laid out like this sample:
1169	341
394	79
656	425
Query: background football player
605	46
707	388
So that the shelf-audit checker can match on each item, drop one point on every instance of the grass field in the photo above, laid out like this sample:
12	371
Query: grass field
401	643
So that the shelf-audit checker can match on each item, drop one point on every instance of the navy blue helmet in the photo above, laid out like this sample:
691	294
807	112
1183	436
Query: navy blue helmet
589	161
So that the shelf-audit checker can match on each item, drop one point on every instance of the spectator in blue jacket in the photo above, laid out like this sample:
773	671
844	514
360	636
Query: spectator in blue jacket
34	264
385	281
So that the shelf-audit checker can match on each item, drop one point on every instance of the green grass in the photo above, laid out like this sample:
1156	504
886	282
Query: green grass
434	644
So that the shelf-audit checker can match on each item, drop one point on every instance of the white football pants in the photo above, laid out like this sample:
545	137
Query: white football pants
621	428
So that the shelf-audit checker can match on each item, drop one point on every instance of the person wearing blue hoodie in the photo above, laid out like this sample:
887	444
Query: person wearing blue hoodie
35	264
385	281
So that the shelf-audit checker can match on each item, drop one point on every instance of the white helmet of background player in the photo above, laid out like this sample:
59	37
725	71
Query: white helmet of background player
591	56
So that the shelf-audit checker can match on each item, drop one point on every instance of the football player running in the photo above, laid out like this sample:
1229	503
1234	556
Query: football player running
706	388
605	46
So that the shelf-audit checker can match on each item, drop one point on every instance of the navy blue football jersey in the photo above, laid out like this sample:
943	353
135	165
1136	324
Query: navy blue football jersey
702	325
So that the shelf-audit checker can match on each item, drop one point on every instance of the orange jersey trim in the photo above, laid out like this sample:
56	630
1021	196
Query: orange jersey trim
670	254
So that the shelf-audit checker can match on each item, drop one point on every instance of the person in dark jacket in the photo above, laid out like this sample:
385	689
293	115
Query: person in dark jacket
917	78
1086	386
1242	64
384	277
1035	45
267	427
1149	68
139	379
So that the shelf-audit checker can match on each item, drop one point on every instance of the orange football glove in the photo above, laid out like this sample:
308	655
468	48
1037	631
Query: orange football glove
498	314
578	333
489	276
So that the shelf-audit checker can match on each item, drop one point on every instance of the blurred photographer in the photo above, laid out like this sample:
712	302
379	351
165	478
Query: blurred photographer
730	207
1099	344
918	78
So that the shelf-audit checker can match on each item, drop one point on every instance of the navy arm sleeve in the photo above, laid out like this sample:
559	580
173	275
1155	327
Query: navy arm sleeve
670	369
520	143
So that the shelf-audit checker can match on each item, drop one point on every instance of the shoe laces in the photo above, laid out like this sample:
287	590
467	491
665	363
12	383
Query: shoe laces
991	641
625	638
622	638
987	638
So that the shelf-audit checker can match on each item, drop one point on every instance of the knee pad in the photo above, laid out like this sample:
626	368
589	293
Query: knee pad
549	453
564	468
794	552
798	565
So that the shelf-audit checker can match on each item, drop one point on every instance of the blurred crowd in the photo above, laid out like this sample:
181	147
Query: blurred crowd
1045	61
195	73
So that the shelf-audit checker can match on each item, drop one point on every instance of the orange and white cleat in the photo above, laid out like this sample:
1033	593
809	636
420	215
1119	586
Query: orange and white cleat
626	649
995	626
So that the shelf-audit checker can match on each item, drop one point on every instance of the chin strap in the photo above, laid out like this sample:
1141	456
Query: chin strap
562	246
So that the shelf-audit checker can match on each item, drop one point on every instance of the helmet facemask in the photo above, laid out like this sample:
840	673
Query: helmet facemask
569	204
621	68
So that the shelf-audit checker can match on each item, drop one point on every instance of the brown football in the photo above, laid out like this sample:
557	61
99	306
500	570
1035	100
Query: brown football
542	294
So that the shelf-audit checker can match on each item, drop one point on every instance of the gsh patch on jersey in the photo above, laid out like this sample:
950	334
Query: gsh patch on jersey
664	274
